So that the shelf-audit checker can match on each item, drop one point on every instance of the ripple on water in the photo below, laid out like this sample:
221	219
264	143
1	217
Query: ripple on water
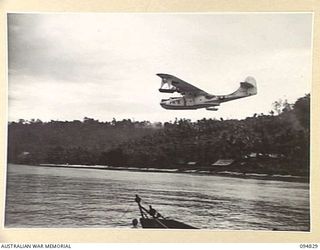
61	197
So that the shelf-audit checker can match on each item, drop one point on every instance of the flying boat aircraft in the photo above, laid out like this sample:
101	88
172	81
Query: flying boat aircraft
195	98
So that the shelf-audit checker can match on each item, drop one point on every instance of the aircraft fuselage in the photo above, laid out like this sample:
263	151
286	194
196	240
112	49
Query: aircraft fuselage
195	98
196	102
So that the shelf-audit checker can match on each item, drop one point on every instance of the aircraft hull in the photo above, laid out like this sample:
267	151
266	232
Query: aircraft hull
193	107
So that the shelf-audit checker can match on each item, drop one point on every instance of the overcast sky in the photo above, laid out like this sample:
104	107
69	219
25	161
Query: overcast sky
68	66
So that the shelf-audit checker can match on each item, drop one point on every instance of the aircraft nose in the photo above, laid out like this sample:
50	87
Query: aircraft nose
163	102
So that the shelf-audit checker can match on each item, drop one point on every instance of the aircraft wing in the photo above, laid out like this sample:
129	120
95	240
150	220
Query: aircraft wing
180	85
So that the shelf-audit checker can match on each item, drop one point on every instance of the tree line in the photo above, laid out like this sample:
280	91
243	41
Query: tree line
284	134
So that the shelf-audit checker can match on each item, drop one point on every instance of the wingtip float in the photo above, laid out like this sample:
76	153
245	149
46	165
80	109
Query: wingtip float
195	98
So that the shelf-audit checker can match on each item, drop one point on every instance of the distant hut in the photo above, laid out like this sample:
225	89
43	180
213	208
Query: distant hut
191	163
223	163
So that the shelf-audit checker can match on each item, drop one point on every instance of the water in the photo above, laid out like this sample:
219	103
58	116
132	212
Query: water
50	197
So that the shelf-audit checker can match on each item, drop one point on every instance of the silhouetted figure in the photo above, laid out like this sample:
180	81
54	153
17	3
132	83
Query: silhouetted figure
135	223
137	199
152	211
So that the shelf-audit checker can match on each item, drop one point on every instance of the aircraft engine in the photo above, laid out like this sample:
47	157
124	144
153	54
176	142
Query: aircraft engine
170	89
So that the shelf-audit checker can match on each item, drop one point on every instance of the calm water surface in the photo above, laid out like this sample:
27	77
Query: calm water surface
60	197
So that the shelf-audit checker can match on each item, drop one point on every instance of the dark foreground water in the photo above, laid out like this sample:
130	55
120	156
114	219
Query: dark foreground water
61	197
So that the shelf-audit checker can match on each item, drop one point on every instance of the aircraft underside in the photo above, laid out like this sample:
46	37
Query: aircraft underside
183	107
190	107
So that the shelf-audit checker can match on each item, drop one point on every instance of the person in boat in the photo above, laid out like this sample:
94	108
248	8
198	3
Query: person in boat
154	213
137	199
134	223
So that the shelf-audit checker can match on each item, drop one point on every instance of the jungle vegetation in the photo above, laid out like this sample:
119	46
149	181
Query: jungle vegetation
279	140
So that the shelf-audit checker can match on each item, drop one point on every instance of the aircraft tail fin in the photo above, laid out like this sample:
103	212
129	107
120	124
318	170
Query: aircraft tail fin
247	88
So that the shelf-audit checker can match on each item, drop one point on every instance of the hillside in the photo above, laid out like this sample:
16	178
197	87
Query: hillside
279	142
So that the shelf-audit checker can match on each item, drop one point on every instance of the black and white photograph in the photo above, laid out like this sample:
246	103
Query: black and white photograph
145	121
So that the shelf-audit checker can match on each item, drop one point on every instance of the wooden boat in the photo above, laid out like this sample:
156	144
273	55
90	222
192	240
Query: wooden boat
153	219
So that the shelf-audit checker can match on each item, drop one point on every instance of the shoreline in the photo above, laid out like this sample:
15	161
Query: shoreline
232	174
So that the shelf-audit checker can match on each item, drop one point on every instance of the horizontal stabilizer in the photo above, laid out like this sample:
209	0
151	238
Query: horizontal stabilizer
249	82
247	88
